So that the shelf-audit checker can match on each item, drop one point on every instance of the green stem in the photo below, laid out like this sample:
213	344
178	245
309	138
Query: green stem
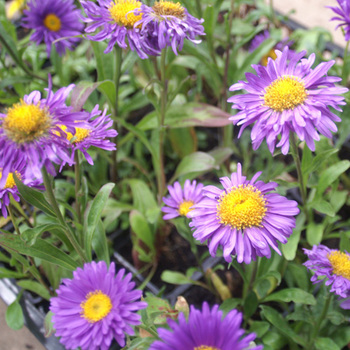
302	186
161	119
344	73
13	219
52	200
228	129
319	322
248	286
149	276
78	194
117	75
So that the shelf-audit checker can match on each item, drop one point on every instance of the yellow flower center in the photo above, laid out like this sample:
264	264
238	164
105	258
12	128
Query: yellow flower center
26	122
284	93
242	207
80	134
14	7
52	22
205	347
10	181
96	306
341	263
122	12
184	208
168	8
271	54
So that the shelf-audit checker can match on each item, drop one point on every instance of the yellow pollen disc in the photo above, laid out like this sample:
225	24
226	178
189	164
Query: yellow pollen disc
52	22
340	263
96	306
80	134
168	8
119	10
241	207
26	122
284	93
184	208
205	347
10	181
271	54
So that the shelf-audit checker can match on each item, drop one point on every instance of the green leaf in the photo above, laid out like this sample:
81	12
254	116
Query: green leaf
331	174
34	287
296	295
100	244
183	141
175	277
48	325
326	344
318	160
34	197
6	273
104	61
14	316
230	304
323	207
187	115
144	200
93	215
41	249
314	233
142	230
276	319
84	89
195	162
250	304
259	328
289	249
31	234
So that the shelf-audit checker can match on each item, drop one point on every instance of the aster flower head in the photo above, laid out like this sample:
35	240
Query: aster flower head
117	20
261	38
288	96
9	188
205	329
96	132
52	20
95	307
180	201
343	15
29	130
244	218
331	264
170	24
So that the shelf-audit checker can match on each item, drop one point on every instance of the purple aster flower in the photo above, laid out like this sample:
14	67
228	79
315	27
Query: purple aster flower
52	20
244	218
180	201
288	96
94	134
205	330
95	307
333	265
117	19
343	15
170	23
10	188
262	37
30	130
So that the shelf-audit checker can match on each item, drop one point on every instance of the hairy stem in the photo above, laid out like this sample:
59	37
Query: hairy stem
161	119
319	322
302	186
117	75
